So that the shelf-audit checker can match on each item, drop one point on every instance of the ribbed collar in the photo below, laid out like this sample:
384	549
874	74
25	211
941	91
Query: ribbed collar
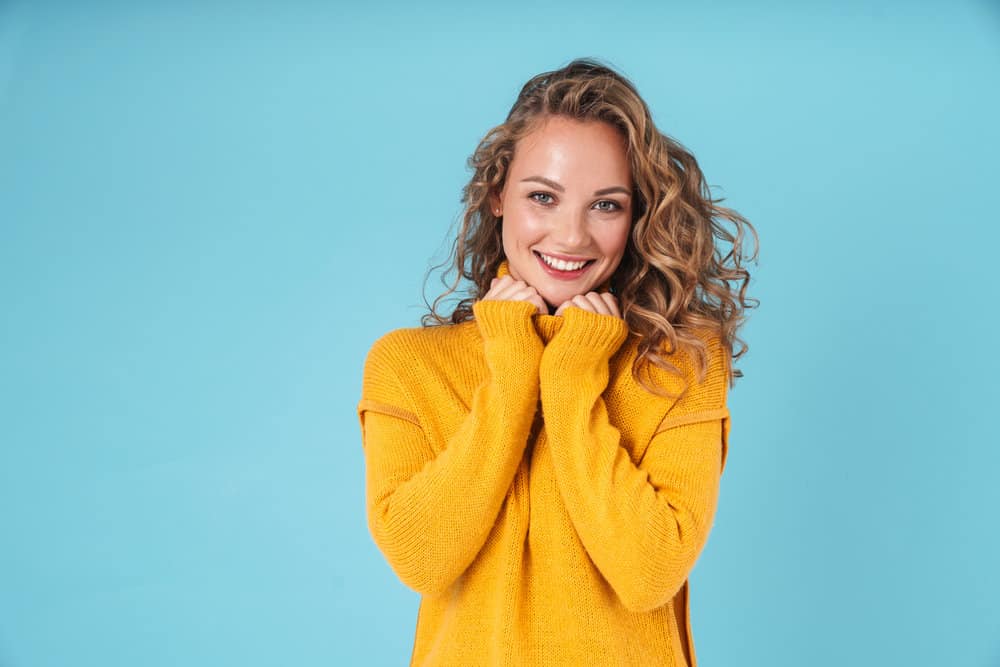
546	325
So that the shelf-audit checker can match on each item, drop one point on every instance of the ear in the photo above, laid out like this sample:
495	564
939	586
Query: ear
496	200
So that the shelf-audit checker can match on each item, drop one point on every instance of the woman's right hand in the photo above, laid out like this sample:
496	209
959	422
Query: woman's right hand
505	288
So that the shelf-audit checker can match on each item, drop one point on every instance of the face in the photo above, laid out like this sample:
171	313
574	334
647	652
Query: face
567	196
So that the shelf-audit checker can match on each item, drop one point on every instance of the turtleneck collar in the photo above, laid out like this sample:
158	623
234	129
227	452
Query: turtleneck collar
546	325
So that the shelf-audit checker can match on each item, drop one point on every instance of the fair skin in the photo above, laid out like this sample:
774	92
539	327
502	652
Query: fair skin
567	194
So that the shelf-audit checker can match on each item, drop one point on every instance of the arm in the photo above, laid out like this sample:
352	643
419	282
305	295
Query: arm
430	515
643	525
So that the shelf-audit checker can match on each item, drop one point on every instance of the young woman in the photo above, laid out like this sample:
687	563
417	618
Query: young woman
543	465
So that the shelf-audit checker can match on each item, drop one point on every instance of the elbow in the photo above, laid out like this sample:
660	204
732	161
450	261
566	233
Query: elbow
414	561
657	580
424	576
646	595
663	567
422	580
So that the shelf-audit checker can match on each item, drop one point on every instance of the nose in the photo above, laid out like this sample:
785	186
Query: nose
569	230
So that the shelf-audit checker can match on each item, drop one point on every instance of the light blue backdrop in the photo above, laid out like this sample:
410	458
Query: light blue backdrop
209	211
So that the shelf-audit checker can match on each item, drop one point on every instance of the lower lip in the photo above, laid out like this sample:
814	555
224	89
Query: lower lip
563	275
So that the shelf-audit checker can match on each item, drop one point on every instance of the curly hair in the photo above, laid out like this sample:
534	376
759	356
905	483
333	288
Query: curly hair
673	282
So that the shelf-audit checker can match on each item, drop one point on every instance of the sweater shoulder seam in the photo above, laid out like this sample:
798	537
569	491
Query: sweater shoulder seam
672	421
386	408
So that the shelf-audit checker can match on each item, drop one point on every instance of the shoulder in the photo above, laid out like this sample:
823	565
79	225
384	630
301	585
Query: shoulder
707	353
401	361
406	347
708	384
701	380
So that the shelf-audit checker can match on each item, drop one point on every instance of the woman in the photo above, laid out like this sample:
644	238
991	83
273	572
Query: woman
543	465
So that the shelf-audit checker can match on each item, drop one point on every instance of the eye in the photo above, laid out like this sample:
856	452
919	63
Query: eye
615	206
540	194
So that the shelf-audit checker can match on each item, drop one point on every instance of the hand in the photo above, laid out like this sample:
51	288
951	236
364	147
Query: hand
604	303
506	288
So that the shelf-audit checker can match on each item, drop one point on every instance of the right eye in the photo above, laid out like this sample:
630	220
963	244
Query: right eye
540	194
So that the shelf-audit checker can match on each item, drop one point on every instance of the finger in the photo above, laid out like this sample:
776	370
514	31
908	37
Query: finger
597	303
511	286
543	308
601	304
525	294
580	301
504	287
508	289
590	301
611	302
492	289
572	301
538	300
534	297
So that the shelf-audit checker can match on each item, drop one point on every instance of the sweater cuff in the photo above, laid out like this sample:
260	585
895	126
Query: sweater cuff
586	336
502	318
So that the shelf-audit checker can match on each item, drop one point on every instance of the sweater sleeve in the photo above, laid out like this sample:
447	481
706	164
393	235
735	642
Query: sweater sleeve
428	513
643	525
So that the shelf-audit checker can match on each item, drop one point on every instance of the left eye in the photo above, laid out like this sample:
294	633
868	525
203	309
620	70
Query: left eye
614	205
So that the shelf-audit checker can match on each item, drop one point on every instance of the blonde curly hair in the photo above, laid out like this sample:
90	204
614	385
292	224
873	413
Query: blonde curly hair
673	282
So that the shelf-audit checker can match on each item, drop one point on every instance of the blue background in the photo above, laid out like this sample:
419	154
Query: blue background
210	210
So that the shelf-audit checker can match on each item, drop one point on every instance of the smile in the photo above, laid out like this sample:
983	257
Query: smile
562	269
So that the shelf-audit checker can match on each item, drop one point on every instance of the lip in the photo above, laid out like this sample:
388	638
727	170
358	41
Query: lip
565	258
562	275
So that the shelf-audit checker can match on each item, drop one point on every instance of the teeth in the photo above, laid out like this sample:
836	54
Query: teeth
560	264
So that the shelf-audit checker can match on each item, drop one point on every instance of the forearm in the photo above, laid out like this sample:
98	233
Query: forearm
431	526
432	505
642	525
643	536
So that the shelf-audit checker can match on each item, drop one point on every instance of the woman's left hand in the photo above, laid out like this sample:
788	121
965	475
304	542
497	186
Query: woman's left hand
604	303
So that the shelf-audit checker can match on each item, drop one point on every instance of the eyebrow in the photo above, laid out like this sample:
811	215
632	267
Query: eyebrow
555	186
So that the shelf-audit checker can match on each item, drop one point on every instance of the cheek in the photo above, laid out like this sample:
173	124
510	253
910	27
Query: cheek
613	242
522	227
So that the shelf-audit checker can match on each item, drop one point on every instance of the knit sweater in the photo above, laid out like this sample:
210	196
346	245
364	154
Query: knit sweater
546	506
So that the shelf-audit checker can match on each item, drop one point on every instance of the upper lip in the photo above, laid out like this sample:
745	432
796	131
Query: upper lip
565	258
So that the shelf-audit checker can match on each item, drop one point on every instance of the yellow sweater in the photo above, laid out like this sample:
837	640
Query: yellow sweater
547	508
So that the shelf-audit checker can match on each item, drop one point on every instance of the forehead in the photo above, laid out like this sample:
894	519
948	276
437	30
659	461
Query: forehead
560	146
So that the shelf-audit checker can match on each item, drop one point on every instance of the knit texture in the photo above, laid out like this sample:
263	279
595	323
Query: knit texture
547	508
